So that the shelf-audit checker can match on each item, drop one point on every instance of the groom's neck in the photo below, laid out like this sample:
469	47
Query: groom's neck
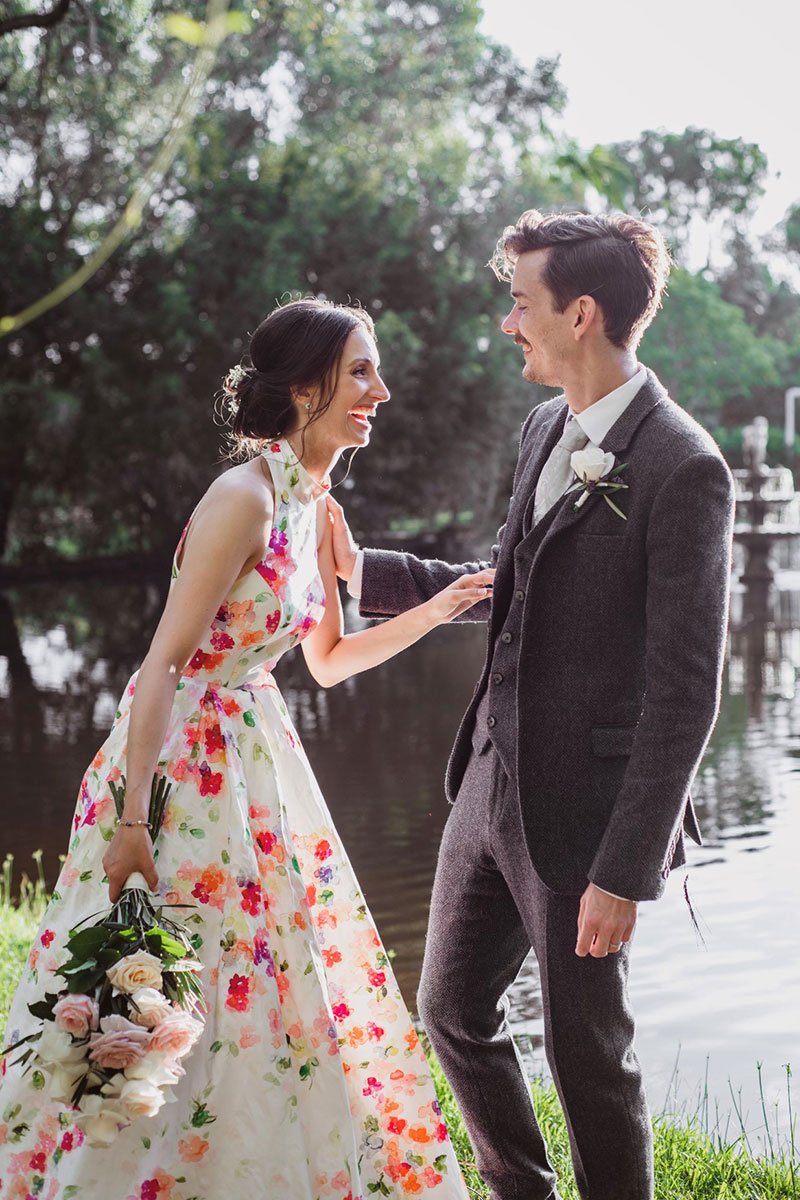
587	381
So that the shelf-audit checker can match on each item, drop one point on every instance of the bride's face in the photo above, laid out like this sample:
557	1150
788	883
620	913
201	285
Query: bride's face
359	391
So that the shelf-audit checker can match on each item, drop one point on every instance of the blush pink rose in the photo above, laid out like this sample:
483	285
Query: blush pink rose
76	1014
176	1034
120	1044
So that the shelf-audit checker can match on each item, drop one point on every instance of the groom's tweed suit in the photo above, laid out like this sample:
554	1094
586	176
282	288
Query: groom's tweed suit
573	763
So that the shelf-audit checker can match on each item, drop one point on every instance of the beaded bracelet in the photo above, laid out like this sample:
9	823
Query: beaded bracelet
147	823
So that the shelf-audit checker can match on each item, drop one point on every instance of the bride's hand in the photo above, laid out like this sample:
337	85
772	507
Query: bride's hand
460	595
129	850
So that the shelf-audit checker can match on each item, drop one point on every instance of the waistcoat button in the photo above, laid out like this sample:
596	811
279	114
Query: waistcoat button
505	637
519	594
491	722
497	677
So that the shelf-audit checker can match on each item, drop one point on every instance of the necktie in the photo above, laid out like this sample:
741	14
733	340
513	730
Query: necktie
557	472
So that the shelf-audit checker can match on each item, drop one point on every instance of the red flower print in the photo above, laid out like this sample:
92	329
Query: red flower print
200	892
340	1011
210	781
91	815
373	1085
68	1141
275	448
375	1032
323	850
265	842
441	1133
273	620
397	1125
238	994
221	640
251	898
47	937
376	978
150	1189
215	739
38	1162
331	956
196	664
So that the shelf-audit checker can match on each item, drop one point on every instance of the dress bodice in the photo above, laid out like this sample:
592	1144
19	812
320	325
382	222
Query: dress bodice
277	603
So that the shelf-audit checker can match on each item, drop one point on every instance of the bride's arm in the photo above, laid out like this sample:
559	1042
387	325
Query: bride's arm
332	655
225	536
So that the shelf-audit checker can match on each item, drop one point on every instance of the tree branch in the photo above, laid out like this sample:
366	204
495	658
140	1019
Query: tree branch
40	20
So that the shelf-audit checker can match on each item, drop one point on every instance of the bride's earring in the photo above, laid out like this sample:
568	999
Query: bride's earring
308	406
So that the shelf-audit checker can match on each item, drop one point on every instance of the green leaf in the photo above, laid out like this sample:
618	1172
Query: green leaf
611	504
248	718
187	30
37	1079
197	833
146	1143
216	1047
84	875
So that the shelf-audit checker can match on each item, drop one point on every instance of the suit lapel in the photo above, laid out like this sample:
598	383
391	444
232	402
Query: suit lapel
617	441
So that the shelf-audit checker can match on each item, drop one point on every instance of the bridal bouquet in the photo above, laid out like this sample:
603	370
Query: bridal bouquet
111	1041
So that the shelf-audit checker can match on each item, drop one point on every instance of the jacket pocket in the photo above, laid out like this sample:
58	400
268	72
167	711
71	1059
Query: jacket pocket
612	741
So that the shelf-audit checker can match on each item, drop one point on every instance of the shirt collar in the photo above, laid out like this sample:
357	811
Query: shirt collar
597	419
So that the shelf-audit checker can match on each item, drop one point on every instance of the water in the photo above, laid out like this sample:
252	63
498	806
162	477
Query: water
708	1013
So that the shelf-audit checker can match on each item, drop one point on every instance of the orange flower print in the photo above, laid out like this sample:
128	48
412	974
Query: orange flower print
331	956
193	1148
418	1133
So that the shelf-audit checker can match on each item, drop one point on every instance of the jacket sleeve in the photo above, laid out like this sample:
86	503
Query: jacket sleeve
688	550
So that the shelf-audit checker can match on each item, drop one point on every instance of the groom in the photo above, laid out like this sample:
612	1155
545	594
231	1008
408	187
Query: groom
572	767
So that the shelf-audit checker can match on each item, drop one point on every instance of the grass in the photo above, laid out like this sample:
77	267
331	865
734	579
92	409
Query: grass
693	1162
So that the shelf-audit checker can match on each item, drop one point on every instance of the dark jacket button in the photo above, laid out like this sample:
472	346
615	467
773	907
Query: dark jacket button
519	594
491	722
505	637
497	677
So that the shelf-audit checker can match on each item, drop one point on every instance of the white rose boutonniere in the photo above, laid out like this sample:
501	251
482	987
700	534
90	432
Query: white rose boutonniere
597	473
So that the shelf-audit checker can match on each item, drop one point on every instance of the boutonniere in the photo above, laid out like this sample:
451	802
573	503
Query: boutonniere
597	473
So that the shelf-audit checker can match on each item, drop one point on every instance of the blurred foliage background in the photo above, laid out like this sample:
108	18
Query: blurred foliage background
360	149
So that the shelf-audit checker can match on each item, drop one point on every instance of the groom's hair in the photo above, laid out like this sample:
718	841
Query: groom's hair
621	261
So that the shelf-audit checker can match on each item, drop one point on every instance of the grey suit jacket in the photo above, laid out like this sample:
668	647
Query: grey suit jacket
618	640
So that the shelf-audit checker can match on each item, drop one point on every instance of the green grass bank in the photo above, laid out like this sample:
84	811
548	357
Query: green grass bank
690	1163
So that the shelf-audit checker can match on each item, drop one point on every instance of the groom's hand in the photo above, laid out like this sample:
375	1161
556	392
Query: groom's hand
344	548
604	923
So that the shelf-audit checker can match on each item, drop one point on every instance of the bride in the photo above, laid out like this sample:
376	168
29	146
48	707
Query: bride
309	1081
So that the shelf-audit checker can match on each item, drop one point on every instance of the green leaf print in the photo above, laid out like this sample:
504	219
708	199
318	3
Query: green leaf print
71	1191
226	858
201	1116
440	1163
215	1047
84	875
37	1079
249	718
295	863
371	1124
196	941
146	1143
198	833
284	1064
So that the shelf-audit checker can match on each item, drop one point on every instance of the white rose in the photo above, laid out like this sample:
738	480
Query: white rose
102	1131
56	1047
156	1069
63	1080
152	1007
134	971
591	464
140	1098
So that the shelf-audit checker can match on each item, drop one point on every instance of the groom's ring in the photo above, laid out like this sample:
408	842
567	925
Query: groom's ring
611	946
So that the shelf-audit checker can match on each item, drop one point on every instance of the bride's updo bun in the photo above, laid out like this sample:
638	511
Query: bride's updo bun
297	348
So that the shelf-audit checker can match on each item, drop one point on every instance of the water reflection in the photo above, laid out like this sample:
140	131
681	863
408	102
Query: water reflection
379	745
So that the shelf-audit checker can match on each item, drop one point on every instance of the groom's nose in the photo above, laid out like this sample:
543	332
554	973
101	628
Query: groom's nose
510	324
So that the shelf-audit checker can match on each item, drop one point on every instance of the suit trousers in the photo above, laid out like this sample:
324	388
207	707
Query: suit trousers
488	909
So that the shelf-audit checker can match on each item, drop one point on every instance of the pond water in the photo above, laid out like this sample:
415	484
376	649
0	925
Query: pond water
709	1012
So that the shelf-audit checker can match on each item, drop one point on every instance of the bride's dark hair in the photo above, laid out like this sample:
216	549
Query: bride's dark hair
298	347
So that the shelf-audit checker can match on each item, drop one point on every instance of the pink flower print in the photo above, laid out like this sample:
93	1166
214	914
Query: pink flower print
441	1132
323	850
221	641
91	815
38	1162
273	620
278	541
47	937
340	1011
200	892
373	1086
150	1189
275	448
210	781
432	1179
375	1032
251	898
265	842
376	978
331	956
238	993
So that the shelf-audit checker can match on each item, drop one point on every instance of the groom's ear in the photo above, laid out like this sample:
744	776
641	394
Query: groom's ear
586	315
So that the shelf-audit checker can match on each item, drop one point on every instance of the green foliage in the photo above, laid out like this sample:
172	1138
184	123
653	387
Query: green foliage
704	349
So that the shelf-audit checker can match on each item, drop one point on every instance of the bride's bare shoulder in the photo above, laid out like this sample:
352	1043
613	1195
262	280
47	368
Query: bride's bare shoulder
246	487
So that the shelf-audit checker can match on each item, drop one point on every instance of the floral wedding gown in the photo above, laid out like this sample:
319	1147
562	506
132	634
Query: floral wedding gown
309	1081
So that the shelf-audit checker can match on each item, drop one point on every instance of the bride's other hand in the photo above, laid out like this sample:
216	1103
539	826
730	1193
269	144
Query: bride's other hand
129	850
344	546
460	595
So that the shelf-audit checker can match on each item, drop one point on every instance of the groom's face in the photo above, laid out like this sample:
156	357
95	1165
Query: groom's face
534	323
